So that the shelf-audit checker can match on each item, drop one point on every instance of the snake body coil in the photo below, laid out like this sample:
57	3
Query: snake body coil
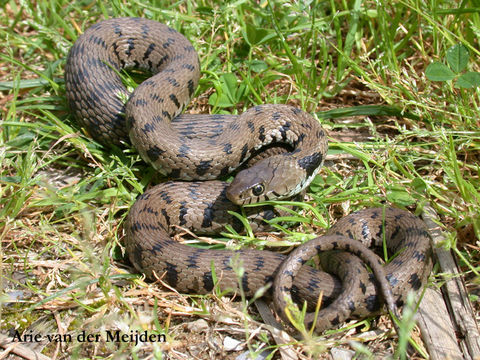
204	147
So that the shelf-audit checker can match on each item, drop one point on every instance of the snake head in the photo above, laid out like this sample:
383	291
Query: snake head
248	187
266	180
275	178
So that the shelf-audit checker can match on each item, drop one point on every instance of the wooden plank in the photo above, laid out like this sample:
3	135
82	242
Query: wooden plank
448	324
437	329
287	352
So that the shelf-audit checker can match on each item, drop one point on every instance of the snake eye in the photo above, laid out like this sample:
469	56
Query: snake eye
258	189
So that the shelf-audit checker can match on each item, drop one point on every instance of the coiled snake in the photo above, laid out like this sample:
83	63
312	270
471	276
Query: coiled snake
204	147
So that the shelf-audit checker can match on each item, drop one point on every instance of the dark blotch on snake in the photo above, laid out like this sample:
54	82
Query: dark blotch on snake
397	261
363	287
183	151
299	140
419	256
149	50
226	264
162	60
372	303
261	133
208	215
182	213
169	42
335	321
174	100
165	197
131	46
141	102
188	67
415	282
244	153
148	128
175	174
276	116
154	153
192	262
392	279
227	148
191	87
224	172
173	82
245	286
203	167
259	263
167	219
166	115
284	129
311	162
208	281
172	273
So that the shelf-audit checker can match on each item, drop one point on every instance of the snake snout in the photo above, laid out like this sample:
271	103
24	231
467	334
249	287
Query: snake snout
263	181
246	188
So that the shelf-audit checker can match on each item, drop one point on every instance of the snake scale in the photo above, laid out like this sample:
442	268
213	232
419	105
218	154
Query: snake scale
206	147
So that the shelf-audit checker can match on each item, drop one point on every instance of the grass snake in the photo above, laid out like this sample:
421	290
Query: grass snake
198	149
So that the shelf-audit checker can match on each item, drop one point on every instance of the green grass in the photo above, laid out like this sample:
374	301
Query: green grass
360	66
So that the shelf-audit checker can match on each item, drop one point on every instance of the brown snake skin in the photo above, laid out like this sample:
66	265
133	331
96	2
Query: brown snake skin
207	147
